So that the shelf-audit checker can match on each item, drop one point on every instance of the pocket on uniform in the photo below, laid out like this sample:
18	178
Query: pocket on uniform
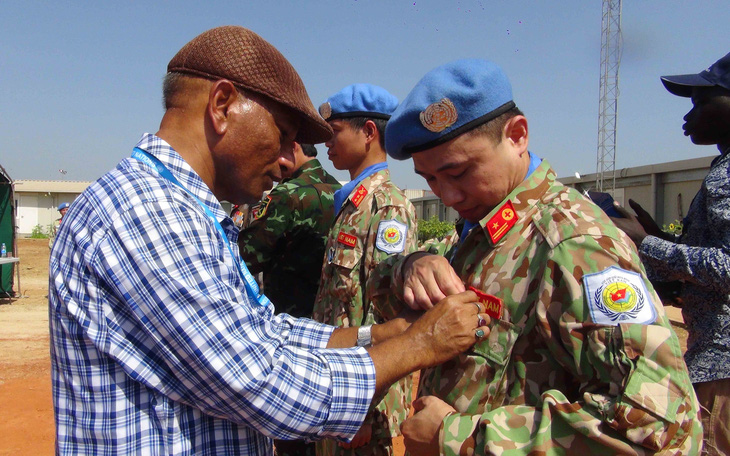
344	271
497	347
347	257
650	388
487	361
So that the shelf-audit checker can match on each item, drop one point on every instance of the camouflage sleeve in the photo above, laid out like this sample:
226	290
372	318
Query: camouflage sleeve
380	280
387	224
257	242
385	284
631	393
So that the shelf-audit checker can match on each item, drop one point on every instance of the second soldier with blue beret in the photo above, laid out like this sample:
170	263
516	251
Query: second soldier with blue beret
374	221
581	358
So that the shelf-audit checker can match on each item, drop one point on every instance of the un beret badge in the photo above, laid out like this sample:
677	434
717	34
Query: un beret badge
439	116
325	110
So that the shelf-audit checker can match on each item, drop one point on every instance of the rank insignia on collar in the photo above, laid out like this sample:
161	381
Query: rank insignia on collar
359	195
261	208
501	222
439	116
325	110
492	305
347	239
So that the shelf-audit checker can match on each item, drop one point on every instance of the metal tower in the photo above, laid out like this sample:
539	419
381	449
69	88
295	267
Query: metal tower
608	97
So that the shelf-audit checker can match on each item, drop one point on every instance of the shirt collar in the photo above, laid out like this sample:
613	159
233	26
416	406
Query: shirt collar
525	195
179	168
312	164
342	194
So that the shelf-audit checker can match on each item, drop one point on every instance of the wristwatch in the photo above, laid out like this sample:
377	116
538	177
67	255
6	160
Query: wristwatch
364	337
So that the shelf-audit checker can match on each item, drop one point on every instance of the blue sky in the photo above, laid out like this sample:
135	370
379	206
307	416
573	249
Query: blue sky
81	81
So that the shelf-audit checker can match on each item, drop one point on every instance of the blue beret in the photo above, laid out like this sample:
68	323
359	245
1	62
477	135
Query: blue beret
450	100
359	100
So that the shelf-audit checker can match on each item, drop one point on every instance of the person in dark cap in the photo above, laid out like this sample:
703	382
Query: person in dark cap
581	358
698	260
160	340
374	221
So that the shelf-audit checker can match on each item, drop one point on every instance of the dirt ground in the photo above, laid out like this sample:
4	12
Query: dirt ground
26	413
26	410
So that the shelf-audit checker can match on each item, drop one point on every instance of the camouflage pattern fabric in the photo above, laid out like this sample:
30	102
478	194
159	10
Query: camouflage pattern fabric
549	380
52	235
341	297
286	240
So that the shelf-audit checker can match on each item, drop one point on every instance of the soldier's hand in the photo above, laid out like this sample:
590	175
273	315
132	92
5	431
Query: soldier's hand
362	437
451	327
421	431
427	279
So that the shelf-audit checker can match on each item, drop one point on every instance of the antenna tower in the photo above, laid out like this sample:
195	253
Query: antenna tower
608	97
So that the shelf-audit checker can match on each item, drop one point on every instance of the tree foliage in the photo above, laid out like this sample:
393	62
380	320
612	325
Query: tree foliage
433	228
38	233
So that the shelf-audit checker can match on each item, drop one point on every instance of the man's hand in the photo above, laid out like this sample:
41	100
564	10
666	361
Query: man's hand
638	226
449	328
421	431
361	438
427	279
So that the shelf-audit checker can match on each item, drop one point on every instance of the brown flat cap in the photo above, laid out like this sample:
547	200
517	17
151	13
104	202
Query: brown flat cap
244	58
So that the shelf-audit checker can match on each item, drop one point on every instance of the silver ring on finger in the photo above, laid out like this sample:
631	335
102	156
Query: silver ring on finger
479	333
479	308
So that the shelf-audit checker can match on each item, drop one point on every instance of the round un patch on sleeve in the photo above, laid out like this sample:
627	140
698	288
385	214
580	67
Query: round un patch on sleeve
618	296
391	236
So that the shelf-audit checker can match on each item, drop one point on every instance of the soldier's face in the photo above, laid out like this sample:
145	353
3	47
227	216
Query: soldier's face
708	122
471	173
346	150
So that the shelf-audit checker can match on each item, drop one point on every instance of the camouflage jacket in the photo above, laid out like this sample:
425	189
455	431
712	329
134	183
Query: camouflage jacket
54	230
285	239
554	377
375	222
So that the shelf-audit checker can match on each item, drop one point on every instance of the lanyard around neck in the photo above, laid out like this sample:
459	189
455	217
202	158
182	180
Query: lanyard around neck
251	286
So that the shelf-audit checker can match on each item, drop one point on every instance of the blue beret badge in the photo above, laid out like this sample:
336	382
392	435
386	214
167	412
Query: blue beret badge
325	110
439	116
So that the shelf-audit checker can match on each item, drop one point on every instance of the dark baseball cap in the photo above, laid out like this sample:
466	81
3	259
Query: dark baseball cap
718	74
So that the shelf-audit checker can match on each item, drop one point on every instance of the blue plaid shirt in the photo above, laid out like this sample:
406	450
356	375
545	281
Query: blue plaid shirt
701	259
156	348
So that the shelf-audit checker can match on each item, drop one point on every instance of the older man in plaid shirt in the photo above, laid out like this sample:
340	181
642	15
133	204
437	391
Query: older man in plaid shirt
160	340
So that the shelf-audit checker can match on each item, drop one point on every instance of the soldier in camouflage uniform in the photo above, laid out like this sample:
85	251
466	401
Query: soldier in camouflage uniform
286	237
581	358
374	221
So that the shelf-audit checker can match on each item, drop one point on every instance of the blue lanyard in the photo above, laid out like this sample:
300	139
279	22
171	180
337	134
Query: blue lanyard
251	286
